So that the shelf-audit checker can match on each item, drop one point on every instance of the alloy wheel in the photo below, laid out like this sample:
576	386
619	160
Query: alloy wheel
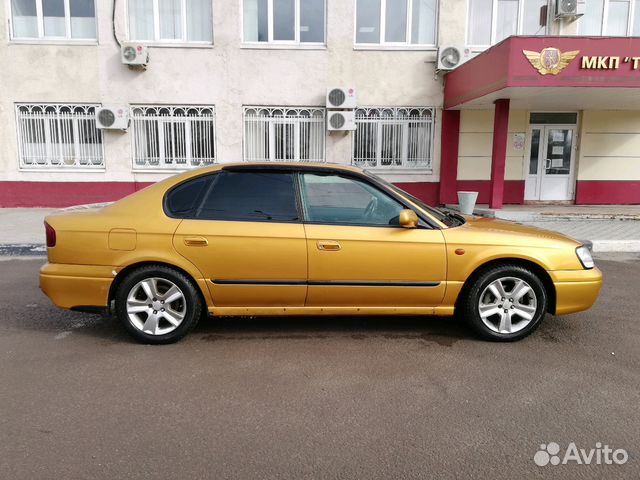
507	305
156	306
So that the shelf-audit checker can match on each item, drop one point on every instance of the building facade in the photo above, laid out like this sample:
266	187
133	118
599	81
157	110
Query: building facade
246	80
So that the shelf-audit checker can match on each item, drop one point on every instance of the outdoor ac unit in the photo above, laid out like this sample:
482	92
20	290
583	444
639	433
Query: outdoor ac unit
450	57
569	8
339	97
134	54
112	118
341	120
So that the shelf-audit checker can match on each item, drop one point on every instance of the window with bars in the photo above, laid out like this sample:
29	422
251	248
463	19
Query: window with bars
388	138
53	19
284	134
171	21
58	136
173	137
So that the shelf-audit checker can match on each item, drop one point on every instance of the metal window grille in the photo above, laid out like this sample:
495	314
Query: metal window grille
387	138
58	136
284	134
173	137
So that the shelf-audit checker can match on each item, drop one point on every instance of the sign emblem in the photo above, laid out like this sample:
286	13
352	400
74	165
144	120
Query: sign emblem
550	60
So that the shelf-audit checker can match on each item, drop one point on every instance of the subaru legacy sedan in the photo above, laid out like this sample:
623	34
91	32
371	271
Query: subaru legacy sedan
305	239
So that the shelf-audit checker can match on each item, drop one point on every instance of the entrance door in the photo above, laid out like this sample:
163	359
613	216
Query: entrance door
550	174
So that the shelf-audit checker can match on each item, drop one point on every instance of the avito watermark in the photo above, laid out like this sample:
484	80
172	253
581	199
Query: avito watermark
550	454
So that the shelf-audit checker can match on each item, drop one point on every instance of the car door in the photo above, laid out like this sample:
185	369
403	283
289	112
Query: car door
358	253
247	238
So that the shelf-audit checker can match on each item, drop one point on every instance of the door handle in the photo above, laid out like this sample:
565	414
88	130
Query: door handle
196	241
328	245
547	164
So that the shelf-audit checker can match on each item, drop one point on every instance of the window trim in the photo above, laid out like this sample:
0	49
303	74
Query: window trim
427	169
163	168
283	44
605	19
384	45
41	39
22	167
167	42
494	18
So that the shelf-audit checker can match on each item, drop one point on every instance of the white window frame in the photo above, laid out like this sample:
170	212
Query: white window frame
605	19
394	116
86	157
159	42
41	38
278	115
494	19
271	43
407	45
168	161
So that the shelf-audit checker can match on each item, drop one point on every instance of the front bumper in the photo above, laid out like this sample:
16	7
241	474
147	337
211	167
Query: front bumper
576	290
70	286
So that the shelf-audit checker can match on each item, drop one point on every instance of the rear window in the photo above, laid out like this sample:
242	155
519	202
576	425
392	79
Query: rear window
182	201
251	196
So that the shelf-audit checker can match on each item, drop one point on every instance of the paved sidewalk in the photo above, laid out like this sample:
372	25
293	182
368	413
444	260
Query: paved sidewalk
22	232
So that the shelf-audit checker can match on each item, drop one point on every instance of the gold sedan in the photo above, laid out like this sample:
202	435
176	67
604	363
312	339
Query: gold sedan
292	239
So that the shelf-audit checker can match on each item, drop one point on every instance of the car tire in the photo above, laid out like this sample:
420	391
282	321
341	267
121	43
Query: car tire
157	304
504	303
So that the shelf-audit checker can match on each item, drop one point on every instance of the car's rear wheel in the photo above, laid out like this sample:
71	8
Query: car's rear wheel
157	304
505	303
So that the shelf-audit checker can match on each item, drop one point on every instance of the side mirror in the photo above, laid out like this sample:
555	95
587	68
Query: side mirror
408	219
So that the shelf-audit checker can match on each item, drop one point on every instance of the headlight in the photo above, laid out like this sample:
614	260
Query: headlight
585	257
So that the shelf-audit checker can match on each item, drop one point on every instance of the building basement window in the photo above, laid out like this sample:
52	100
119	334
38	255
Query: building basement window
284	21
171	21
56	20
173	137
393	138
396	22
284	134
58	136
491	21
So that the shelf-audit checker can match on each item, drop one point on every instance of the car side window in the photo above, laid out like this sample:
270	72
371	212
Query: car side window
182	200
332	198
251	196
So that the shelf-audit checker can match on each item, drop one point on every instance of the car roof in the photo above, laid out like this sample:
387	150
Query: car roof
288	166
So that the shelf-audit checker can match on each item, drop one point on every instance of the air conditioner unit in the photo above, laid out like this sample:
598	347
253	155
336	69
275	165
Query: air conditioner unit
341	120
339	97
134	54
112	118
570	9
450	57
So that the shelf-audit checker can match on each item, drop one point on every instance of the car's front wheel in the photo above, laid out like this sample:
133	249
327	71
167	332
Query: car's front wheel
157	304
505	303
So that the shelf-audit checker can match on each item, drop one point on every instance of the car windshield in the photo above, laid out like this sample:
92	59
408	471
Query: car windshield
448	218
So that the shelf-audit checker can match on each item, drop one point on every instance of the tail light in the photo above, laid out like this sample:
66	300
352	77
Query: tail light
51	235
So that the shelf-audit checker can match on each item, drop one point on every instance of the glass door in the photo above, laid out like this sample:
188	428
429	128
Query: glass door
550	175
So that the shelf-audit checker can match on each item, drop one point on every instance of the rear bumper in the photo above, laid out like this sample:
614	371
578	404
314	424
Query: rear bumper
70	286
576	290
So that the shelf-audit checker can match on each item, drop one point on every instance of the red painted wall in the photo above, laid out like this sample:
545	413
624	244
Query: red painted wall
66	194
63	194
607	192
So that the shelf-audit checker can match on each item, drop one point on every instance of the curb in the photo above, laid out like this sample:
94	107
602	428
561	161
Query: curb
23	250
616	246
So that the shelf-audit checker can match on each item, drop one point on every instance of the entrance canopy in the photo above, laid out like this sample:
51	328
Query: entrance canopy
550	73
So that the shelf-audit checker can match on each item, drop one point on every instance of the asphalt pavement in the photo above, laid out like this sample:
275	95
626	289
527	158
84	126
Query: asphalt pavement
297	398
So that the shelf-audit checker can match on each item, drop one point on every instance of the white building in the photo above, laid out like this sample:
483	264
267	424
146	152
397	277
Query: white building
246	80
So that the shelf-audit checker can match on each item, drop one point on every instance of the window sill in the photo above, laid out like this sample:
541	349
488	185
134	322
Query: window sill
399	171
171	45
166	170
282	46
409	48
60	43
63	169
